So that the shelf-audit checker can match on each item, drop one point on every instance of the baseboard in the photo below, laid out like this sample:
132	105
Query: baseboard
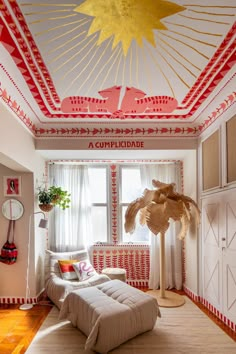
21	300
211	308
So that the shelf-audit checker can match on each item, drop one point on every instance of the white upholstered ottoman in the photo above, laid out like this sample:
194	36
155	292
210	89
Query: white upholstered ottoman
115	273
110	314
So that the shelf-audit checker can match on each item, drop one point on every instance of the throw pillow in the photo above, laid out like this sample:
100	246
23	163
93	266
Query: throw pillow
66	269
84	270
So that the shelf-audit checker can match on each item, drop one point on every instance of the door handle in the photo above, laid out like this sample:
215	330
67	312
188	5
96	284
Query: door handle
223	239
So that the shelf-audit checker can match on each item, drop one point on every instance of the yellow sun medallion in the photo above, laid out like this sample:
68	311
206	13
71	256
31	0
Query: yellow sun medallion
127	20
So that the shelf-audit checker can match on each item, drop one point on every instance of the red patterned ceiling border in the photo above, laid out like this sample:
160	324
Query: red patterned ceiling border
38	58
230	99
18	90
10	45
16	109
191	96
210	81
140	132
211	68
222	108
115	132
20	18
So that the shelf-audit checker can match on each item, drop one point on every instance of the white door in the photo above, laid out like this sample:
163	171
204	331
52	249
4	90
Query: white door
212	253
229	259
219	251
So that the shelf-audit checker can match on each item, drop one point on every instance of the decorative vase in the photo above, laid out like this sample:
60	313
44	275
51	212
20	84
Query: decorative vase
46	207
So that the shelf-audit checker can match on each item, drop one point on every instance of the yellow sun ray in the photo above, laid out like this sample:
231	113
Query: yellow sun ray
204	20
179	53
194	29
51	19
102	68
91	72
55	28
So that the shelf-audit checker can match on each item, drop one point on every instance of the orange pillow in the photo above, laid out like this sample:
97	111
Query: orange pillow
66	269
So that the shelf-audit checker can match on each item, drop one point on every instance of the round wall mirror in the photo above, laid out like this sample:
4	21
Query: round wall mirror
12	209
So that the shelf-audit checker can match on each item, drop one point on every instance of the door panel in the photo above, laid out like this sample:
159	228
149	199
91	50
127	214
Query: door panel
229	262
212	270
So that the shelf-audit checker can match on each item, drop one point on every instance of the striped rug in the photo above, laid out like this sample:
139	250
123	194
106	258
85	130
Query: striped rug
181	330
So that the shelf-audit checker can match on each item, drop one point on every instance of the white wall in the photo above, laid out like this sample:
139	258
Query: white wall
18	157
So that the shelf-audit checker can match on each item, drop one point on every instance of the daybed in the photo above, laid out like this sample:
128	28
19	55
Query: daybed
58	288
110	313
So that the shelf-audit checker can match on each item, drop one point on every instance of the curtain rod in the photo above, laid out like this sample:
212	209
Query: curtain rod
83	162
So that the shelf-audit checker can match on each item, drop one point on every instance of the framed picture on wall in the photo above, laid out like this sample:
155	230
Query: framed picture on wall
12	186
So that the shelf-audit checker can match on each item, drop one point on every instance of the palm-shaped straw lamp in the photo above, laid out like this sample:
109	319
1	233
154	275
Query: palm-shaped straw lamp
156	208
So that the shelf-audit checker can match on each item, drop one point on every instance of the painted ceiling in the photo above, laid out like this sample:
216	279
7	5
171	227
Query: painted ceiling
152	67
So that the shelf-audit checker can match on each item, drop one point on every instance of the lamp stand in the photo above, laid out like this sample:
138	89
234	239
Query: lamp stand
43	225
165	298
26	306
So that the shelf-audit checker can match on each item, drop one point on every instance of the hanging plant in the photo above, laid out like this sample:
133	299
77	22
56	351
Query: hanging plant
52	196
59	197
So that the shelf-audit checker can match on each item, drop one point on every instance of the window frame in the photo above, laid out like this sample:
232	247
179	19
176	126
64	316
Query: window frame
121	205
107	204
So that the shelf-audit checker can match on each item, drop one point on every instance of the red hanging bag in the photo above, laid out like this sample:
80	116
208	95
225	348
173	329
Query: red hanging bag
9	251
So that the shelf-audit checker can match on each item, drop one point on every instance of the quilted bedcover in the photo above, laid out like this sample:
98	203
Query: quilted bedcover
110	314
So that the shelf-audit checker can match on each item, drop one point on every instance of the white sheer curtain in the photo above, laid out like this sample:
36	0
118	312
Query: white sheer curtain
167	173
70	229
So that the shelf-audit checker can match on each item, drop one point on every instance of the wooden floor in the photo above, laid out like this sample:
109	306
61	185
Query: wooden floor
17	327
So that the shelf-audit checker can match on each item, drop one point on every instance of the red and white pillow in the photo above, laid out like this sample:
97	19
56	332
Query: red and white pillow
66	269
84	270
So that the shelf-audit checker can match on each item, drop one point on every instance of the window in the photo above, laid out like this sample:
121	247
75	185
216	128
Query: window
105	190
131	189
98	188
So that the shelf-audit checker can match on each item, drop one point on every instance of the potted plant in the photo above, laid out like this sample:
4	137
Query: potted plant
53	196
59	197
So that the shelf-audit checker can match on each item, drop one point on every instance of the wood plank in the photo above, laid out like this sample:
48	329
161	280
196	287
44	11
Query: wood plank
18	327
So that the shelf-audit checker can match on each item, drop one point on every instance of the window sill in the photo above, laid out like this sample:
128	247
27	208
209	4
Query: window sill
122	244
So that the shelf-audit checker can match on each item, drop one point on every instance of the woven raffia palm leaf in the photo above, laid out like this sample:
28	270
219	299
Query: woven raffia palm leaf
174	209
158	206
189	201
134	207
143	216
169	191
185	222
157	219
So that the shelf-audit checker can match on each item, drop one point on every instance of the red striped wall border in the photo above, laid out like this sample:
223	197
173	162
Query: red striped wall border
21	300
191	294
18	300
211	308
139	284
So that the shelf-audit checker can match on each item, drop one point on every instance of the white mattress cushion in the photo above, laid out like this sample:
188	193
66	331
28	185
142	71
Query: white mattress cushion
110	314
